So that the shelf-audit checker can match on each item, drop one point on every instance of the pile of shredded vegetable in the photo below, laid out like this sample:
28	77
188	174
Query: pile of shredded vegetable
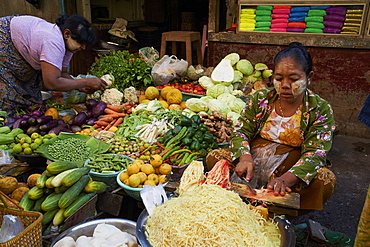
219	174
191	177
209	216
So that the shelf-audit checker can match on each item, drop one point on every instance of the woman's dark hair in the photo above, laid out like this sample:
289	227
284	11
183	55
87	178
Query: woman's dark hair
80	28
298	53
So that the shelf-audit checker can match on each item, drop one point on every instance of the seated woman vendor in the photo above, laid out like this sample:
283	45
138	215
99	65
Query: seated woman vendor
285	133
34	54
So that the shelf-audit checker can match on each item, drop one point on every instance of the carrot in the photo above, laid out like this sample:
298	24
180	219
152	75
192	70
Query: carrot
101	123
160	145
106	118
118	122
111	112
117	115
118	108
96	126
110	124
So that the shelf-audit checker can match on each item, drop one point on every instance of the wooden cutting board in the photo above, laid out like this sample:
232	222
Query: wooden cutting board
289	201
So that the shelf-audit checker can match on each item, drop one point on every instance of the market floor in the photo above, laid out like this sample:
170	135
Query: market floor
350	159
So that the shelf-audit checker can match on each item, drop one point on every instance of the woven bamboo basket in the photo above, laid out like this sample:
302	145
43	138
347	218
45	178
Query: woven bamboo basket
32	233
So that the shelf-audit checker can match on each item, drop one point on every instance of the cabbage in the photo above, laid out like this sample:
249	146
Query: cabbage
216	90
233	57
238	76
188	112
219	106
236	105
223	72
234	116
206	82
245	67
225	97
206	98
196	105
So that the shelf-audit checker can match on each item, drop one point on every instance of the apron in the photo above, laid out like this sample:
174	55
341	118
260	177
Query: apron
20	84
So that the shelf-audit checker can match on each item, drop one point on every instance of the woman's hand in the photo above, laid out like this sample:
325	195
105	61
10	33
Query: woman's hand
95	84
245	165
282	184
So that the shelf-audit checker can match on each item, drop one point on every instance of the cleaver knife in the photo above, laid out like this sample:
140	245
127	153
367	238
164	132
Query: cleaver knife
242	180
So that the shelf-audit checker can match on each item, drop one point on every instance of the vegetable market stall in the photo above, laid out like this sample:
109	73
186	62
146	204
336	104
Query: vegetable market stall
135	133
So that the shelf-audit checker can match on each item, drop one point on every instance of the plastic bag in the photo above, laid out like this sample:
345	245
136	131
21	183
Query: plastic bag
266	163
167	69
153	196
5	157
149	55
10	227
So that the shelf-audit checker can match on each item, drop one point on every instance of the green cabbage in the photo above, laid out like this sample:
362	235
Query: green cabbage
238	76
234	116
216	90
223	72
196	105
206	98
225	97
233	57
206	82
236	105
245	67
219	106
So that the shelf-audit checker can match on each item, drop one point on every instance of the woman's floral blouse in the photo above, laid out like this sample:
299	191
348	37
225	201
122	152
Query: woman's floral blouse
316	130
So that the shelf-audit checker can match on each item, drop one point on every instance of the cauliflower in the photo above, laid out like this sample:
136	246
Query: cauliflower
130	95
112	96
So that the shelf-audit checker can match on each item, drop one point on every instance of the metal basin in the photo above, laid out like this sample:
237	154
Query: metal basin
286	231
87	228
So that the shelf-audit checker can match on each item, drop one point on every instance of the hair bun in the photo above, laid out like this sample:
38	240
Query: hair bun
296	45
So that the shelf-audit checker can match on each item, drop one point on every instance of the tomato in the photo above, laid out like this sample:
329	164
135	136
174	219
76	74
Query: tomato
160	87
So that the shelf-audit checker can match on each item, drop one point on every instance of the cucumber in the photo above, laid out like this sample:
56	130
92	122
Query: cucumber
79	202
51	202
49	216
95	186
57	167
58	217
35	193
40	182
26	203
72	193
37	206
57	181
75	176
48	182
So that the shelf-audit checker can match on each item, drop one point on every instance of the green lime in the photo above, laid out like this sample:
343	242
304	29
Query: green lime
35	136
28	151
28	140
47	136
22	140
25	145
38	141
34	146
45	140
17	148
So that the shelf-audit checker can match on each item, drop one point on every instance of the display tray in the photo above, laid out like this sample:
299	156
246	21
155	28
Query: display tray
285	227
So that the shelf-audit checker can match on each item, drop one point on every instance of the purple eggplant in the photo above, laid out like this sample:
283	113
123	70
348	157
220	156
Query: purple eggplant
79	119
33	129
17	123
90	103
26	116
58	129
75	128
49	125
25	124
61	121
11	120
32	121
91	121
44	119
99	109
37	113
88	113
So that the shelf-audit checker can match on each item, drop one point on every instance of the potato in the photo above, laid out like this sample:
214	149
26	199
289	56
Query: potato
31	180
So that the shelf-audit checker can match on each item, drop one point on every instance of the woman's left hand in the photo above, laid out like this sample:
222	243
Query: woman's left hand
281	185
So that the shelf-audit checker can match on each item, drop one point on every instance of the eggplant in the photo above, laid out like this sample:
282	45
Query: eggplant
17	123
99	109
49	125
33	129
61	121
25	124
79	119
44	119
58	129
37	113
75	128
32	121
91	121
26	116
90	103
11	120
88	113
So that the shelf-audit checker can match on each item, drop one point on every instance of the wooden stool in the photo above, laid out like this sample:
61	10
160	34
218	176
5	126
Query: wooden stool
182	36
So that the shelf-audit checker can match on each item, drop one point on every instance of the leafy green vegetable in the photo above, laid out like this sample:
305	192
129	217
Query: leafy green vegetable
127	69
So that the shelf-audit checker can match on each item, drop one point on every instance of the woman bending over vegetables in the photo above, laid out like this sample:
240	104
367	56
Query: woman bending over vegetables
35	54
285	133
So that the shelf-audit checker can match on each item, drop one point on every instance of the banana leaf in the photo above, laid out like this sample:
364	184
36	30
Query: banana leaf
95	146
